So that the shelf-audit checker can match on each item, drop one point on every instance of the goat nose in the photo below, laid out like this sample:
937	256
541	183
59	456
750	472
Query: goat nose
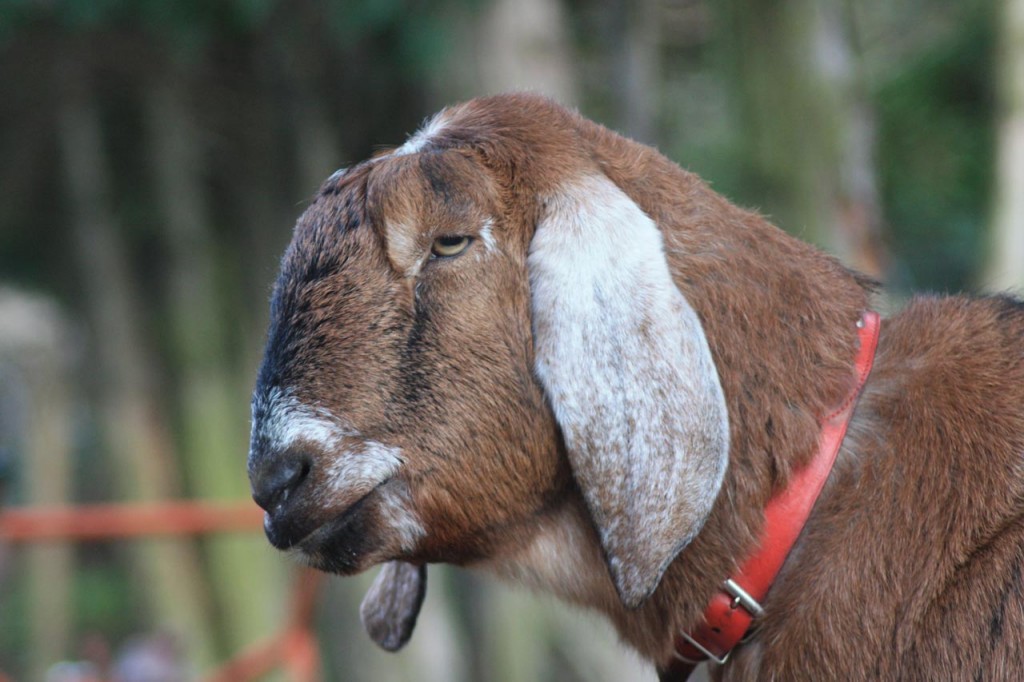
273	484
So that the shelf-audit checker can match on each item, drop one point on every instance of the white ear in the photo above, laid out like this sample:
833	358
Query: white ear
627	368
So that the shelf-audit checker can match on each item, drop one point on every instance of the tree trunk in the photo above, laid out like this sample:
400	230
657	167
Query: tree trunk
636	67
213	411
512	45
35	361
267	211
809	126
135	432
1006	263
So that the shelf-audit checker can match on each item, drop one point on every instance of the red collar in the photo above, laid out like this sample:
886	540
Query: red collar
732	610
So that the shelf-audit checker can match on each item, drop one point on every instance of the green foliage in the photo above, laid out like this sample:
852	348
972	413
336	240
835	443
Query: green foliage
417	31
191	21
104	600
935	157
14	636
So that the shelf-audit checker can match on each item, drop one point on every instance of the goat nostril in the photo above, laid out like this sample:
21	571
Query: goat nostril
297	479
277	482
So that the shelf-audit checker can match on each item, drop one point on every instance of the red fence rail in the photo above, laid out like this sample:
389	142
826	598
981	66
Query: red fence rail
117	521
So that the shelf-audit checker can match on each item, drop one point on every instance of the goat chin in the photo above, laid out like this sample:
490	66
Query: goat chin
526	344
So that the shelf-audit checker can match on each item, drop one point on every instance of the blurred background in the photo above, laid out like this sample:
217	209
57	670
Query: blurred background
154	156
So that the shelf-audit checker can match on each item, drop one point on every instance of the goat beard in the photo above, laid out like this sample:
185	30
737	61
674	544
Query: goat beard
392	604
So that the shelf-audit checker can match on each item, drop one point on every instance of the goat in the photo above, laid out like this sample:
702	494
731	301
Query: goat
524	343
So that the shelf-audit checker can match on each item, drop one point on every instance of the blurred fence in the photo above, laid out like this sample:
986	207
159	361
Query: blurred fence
294	649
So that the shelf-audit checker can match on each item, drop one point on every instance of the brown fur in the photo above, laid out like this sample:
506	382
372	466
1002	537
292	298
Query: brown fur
910	566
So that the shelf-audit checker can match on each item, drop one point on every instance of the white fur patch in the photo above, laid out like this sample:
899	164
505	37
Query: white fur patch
487	236
362	466
630	377
422	136
355	464
396	513
285	420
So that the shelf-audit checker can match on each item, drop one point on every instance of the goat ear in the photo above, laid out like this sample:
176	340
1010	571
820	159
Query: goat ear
627	369
392	603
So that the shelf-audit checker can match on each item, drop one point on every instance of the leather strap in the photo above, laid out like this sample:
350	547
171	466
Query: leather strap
732	610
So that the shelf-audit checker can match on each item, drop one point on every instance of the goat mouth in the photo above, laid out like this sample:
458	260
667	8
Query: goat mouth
293	528
339	544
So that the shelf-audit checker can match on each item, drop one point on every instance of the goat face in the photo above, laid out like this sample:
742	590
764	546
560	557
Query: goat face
469	330
392	416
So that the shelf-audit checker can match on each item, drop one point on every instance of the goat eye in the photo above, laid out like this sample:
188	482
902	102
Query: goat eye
447	246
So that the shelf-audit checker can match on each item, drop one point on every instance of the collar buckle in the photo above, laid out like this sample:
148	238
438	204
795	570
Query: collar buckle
741	598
